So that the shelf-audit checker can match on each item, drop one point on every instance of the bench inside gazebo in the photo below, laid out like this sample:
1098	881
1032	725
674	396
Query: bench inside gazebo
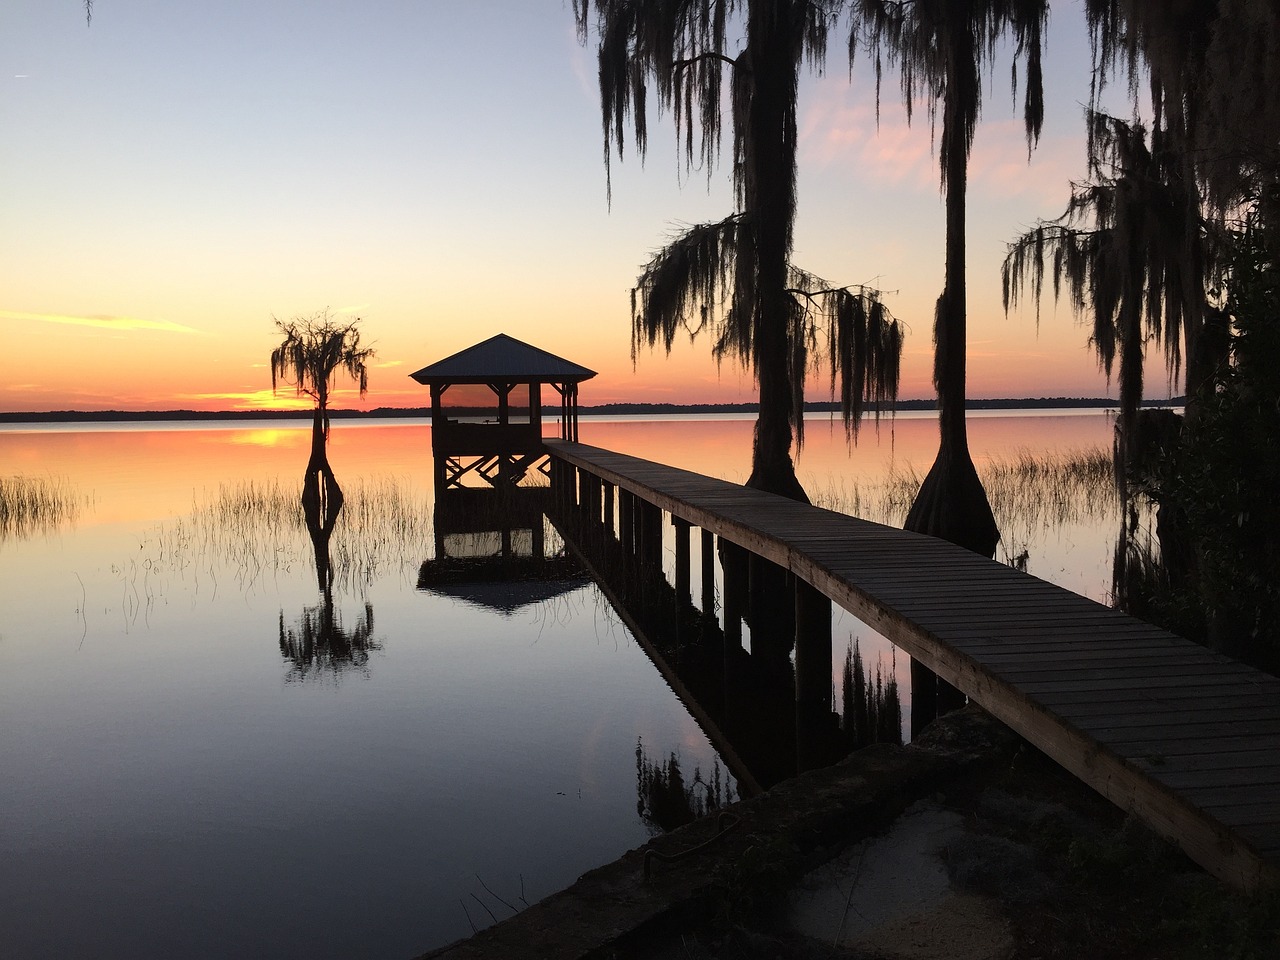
489	427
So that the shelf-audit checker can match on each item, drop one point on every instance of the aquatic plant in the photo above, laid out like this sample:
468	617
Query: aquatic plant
1028	492
252	531
30	505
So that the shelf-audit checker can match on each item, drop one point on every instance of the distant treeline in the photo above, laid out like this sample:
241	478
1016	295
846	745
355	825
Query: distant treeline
604	409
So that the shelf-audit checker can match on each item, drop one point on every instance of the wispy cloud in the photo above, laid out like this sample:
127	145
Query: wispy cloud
389	363
122	324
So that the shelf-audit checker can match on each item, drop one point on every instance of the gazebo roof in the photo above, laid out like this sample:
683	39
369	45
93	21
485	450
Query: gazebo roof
502	358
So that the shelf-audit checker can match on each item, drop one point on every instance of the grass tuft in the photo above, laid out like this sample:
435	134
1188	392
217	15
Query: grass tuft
31	505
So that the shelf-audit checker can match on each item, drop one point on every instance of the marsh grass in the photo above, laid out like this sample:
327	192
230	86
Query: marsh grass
254	531
32	505
1029	493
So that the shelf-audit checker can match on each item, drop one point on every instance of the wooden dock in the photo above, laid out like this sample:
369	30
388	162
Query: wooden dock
1186	739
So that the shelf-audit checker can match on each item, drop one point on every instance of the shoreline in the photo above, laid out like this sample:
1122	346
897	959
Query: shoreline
598	410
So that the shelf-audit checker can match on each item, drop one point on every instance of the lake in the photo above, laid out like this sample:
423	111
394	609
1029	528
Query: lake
187	774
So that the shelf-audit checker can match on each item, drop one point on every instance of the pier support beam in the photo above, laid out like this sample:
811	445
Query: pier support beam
708	575
683	595
813	649
627	522
733	560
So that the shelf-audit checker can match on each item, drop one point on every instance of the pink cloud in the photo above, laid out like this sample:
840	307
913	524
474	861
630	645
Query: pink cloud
840	131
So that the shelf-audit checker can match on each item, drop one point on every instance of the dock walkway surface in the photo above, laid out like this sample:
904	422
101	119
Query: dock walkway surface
1184	738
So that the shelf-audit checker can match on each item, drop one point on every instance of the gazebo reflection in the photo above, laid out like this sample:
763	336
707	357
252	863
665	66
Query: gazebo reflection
491	550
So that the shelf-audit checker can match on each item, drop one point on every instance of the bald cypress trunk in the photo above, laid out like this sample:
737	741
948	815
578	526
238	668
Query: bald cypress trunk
321	496
952	503
769	158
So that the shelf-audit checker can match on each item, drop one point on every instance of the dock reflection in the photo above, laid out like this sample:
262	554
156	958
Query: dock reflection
744	701
491	550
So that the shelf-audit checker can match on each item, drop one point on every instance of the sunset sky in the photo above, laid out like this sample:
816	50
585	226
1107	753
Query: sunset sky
178	173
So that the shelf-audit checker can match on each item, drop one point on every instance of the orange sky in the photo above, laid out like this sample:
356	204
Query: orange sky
171	180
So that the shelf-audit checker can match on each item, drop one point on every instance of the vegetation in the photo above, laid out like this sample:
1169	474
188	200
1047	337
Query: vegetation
312	352
1175	241
1133	255
30	505
1028	494
1216	574
734	279
247	533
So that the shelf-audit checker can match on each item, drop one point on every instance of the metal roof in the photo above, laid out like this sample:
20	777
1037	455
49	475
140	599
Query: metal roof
503	358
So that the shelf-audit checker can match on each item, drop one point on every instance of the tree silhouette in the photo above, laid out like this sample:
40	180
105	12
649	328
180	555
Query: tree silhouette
313	350
941	48
1212	69
733	279
1132	258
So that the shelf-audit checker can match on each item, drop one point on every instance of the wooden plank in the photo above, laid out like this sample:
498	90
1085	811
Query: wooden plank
1118	701
1044	668
1205	680
1223	777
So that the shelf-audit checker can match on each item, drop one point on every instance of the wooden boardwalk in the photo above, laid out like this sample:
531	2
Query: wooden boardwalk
1185	738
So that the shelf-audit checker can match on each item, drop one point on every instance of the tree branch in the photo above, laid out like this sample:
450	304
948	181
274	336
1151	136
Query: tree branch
679	65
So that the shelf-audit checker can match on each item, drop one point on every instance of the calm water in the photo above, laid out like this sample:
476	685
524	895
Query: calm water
178	782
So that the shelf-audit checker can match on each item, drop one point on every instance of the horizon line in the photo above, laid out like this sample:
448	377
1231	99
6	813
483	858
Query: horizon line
815	406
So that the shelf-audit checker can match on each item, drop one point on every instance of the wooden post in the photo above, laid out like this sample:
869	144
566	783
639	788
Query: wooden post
682	562
735	576
651	538
814	721
570	487
590	505
708	574
813	648
627	521
924	697
772	623
608	508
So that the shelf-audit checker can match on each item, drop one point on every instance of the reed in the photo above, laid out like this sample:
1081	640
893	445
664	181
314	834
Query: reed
1028	492
31	505
255	530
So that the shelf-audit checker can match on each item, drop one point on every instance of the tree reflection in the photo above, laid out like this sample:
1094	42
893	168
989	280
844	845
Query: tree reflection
318	644
663	799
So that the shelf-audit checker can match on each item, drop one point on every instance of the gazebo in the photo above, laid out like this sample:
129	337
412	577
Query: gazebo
492	434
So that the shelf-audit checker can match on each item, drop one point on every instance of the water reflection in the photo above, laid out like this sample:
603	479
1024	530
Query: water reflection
665	801
491	551
317	644
744	700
